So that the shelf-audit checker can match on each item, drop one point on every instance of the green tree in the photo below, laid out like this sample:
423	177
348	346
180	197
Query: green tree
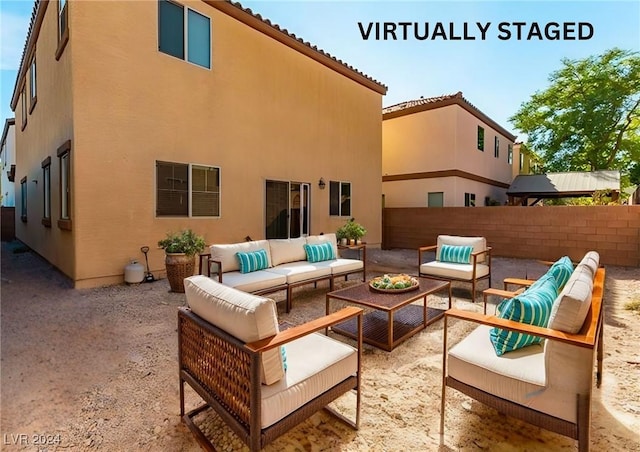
587	119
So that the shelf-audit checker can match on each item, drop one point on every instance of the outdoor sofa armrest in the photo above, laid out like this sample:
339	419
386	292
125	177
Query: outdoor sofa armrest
580	340
517	282
424	249
498	293
312	326
201	257
218	268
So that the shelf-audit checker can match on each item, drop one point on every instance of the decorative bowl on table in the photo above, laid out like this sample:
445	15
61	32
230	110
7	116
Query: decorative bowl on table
394	283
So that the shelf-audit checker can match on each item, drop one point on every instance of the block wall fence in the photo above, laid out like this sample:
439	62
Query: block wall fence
8	223
535	232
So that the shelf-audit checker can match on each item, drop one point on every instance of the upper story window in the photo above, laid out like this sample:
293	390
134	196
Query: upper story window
510	154
63	26
521	160
184	33
340	198
481	138
496	147
33	95
184	190
23	104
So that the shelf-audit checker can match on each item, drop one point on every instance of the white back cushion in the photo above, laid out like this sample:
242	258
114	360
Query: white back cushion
227	253
246	317
287	250
478	244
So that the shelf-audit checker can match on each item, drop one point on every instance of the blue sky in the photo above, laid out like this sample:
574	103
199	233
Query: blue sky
495	75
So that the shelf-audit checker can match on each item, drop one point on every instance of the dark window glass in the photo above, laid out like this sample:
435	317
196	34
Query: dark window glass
171	28
172	194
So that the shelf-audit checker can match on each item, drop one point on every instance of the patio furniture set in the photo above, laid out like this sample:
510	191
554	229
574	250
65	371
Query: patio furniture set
262	381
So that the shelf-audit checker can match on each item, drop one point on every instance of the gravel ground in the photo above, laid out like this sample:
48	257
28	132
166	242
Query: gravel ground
96	369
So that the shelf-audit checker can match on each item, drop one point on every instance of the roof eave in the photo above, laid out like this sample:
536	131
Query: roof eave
264	26
455	100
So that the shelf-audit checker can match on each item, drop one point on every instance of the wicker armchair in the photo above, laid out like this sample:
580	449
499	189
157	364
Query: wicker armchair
226	373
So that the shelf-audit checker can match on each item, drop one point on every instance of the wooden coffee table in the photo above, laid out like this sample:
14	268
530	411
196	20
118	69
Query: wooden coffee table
394	318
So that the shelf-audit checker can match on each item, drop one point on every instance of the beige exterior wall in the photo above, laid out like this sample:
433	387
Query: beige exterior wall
264	111
441	139
48	126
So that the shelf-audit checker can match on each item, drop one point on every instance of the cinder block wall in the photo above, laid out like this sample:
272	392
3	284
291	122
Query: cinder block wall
545	233
8	223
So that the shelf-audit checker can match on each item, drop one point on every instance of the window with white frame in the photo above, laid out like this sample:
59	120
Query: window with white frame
340	198
184	33
510	154
435	199
187	190
496	147
470	199
46	192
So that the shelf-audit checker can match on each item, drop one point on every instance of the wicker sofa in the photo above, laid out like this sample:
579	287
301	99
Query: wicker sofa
472	267
287	265
547	384
260	381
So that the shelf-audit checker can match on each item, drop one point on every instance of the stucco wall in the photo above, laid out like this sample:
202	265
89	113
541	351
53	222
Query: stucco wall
8	156
264	111
545	233
49	125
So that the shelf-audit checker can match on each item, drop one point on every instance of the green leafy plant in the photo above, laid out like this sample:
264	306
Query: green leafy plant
351	230
185	241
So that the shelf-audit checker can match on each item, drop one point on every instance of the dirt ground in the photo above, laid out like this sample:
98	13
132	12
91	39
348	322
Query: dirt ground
96	369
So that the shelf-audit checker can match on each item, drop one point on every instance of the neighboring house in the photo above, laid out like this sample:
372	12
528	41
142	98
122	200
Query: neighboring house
524	161
8	163
139	118
443	151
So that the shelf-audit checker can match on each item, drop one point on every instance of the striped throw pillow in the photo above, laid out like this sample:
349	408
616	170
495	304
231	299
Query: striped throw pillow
253	260
532	307
456	254
319	252
561	270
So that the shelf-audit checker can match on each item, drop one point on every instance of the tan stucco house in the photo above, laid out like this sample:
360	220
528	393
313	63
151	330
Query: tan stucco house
8	163
443	151
135	118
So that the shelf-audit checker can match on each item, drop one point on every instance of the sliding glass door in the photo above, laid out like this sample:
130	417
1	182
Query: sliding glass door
286	209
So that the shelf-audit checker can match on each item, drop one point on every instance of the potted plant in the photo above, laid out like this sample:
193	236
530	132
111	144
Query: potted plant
341	235
180	256
354	231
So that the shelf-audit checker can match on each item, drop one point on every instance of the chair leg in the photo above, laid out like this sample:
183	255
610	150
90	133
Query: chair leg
584	421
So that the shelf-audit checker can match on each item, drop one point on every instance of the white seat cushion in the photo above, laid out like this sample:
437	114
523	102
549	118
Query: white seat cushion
300	271
227	253
572	304
308	374
246	317
518	376
287	250
340	265
451	270
254	281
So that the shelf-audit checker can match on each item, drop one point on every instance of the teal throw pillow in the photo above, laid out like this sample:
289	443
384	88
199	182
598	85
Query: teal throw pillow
532	307
561	270
319	252
283	352
253	261
456	254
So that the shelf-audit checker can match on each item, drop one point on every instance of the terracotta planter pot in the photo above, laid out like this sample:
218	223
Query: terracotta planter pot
179	266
